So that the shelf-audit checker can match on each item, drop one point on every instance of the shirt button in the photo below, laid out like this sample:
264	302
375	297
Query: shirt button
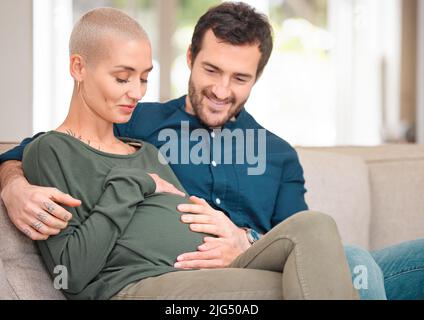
213	134
218	201
214	163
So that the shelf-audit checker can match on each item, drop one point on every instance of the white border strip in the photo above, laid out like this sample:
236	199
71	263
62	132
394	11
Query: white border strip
420	74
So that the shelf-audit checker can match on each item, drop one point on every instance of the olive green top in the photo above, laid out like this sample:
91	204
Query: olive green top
123	231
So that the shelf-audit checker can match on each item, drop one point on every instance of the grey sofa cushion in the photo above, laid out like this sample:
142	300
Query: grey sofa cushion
6	291
22	272
398	204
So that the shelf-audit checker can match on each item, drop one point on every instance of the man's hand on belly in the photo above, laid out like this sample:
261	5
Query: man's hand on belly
215	252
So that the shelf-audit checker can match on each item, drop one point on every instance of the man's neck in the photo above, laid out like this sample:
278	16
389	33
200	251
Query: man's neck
188	107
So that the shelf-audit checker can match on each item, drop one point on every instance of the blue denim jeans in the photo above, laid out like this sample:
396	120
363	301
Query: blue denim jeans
394	273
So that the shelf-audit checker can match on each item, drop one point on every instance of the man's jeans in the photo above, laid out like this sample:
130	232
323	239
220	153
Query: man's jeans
394	273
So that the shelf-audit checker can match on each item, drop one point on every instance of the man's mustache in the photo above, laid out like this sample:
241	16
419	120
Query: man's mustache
210	95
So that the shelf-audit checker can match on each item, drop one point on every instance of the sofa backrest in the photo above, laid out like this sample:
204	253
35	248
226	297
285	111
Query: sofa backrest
4	146
396	179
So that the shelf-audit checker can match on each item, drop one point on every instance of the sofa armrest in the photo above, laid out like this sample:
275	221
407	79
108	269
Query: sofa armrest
6	291
22	271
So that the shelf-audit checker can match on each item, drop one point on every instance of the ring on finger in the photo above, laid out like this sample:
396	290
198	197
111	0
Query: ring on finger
27	232
50	208
37	225
42	216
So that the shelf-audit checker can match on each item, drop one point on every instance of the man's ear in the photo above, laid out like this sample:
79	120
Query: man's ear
77	67
189	58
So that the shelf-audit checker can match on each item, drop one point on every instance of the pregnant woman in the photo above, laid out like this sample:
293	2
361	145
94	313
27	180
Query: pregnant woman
125	237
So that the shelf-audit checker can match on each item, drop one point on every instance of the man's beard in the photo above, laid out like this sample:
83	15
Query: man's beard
198	109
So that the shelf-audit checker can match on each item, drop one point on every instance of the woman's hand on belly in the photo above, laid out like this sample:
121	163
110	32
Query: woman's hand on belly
164	186
215	252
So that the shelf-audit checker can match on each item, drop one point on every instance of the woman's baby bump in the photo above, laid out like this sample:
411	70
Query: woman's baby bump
156	231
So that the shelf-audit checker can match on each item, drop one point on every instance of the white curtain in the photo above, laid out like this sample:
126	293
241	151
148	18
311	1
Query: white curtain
53	20
366	59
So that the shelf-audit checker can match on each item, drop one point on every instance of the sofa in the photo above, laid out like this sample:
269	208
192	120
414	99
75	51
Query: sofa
375	194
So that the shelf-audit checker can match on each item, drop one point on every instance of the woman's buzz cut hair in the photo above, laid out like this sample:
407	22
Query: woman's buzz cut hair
94	27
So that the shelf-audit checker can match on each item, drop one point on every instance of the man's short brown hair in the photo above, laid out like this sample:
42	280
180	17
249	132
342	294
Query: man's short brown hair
238	24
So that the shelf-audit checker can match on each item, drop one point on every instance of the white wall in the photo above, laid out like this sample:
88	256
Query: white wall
16	69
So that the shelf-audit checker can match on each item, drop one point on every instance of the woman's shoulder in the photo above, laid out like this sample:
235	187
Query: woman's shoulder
50	142
46	154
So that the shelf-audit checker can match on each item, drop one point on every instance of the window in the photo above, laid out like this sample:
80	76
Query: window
52	82
294	97
333	77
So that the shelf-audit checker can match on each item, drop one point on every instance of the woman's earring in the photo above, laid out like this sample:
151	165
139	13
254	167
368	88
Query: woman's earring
78	86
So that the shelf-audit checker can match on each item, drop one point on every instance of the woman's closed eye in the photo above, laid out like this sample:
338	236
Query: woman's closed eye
122	81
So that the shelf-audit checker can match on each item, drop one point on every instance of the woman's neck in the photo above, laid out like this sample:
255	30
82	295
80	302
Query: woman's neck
82	122
86	125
